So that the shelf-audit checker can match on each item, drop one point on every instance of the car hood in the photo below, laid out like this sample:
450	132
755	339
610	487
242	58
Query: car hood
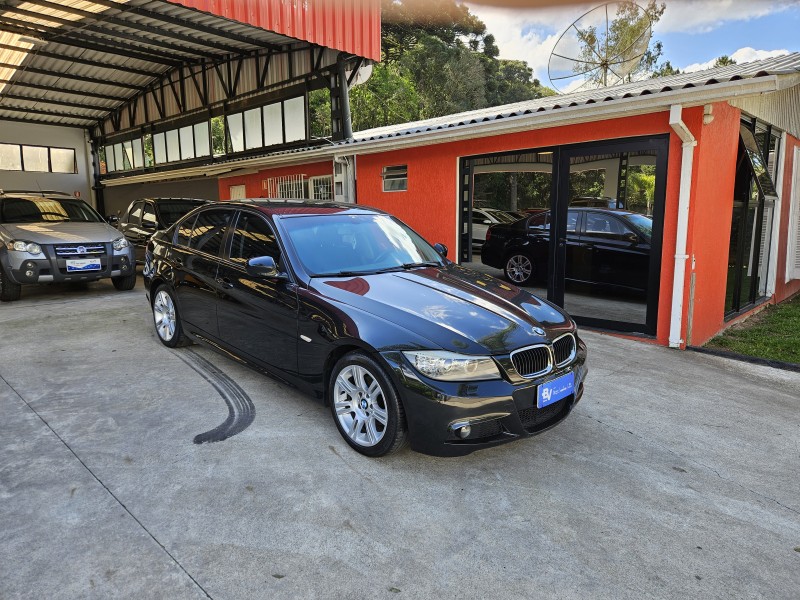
61	233
458	309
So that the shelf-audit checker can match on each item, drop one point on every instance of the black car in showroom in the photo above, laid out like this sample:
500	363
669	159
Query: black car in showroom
145	216
349	304
604	247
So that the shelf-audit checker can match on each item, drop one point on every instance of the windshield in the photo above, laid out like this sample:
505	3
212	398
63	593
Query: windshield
642	224
172	210
46	210
344	245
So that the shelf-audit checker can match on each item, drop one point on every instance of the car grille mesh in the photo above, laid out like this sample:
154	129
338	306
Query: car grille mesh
564	349
72	250
537	418
532	361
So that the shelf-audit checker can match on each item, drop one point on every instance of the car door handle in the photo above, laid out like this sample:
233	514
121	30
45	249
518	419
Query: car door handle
224	282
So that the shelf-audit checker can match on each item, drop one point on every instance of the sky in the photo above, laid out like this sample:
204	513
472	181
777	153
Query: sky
693	32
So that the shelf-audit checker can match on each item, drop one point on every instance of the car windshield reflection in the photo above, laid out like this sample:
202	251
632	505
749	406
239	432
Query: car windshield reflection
350	245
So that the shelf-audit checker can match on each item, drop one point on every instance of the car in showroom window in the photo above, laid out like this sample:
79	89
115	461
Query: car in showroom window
48	237
605	248
350	305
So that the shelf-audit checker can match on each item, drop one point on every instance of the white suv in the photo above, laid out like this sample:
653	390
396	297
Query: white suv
50	237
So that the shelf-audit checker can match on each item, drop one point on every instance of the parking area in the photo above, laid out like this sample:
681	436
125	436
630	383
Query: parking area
675	477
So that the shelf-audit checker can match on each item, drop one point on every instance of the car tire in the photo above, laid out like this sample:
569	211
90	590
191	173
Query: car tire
9	290
519	269
167	320
125	282
365	406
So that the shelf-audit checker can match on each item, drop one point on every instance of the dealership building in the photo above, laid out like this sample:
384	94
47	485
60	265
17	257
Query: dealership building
115	101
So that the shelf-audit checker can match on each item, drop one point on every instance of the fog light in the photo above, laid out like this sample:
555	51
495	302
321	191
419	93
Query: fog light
29	265
464	431
124	267
29	273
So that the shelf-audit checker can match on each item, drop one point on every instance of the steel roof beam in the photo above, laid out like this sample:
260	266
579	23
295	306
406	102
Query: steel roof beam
41	122
54	102
111	47
49	88
114	21
38	111
83	78
81	61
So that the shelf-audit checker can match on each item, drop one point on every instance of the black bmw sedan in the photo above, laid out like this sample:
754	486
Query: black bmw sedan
349	304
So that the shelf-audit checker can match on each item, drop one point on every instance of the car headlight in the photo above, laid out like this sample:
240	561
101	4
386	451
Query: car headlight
120	243
449	366
22	246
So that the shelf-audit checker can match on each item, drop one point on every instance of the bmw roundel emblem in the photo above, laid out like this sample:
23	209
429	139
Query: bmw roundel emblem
81	249
538	331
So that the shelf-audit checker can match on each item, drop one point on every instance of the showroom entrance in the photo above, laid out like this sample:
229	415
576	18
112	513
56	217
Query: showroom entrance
593	221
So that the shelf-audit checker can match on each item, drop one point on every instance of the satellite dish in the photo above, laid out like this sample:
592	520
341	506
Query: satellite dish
602	47
364	73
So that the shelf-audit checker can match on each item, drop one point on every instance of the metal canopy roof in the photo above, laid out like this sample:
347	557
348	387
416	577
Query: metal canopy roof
73	62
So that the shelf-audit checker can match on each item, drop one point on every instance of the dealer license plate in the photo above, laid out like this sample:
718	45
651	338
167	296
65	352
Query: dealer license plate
77	265
555	390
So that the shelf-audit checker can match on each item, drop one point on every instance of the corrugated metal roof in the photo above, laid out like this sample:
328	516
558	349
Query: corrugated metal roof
782	65
62	61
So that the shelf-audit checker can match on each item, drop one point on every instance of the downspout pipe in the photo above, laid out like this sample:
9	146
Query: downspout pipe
684	199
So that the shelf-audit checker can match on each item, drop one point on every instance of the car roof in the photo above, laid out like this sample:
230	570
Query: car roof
47	195
173	199
288	207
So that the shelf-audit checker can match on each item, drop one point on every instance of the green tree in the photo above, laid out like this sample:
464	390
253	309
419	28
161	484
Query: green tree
388	97
724	61
665	69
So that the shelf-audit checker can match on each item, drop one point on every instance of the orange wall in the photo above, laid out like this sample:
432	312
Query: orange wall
430	204
713	178
784	289
254	182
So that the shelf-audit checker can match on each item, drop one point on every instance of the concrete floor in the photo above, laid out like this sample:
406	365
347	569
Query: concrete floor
676	477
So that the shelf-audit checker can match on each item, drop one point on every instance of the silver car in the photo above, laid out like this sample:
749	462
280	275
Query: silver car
50	237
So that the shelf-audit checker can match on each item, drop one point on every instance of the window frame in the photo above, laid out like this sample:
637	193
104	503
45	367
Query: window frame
397	173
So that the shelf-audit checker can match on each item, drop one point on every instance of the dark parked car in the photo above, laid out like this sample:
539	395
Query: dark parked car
146	216
594	202
609	248
50	237
351	305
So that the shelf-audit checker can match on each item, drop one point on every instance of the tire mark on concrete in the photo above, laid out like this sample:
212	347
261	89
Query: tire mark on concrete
241	411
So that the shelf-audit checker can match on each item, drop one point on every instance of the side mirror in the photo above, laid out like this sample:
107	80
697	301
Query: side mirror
112	219
631	237
149	225
441	249
487	222
262	266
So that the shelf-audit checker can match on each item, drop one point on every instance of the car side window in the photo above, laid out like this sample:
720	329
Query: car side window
539	223
149	215
209	231
135	216
606	226
183	232
572	221
478	218
253	237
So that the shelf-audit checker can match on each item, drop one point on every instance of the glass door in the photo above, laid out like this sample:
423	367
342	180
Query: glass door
608	224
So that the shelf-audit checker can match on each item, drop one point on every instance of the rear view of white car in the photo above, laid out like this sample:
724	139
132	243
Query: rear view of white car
46	238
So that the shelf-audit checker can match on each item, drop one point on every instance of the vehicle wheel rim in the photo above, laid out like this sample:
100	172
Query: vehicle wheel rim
164	316
519	268
360	405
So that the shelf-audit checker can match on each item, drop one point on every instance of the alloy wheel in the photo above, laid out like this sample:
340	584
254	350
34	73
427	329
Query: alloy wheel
164	315
360	405
519	268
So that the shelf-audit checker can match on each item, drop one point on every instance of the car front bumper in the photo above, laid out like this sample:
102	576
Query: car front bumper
497	411
47	267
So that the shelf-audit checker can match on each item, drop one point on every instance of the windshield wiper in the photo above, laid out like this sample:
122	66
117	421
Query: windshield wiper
343	274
